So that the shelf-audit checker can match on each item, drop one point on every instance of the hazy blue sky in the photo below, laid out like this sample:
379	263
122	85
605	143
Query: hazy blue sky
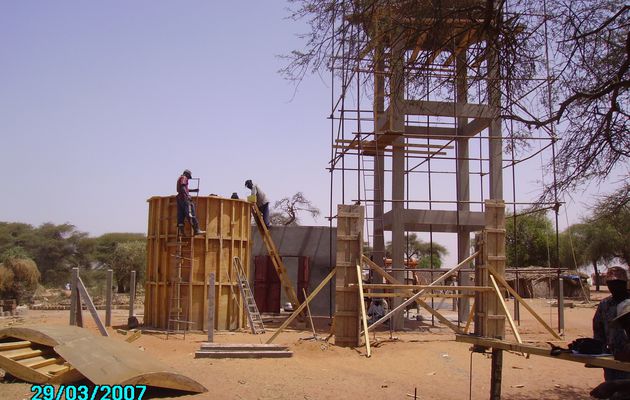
103	104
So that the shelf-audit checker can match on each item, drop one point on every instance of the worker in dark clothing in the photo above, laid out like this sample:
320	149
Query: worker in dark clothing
185	206
376	311
614	337
620	388
261	201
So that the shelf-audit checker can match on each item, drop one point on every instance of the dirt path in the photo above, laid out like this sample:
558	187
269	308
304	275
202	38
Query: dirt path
429	362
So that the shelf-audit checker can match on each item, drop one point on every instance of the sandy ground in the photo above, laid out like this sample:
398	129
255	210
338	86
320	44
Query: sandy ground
424	359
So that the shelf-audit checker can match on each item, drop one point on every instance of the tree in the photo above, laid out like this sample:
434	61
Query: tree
428	255
582	46
126	257
19	276
105	244
54	248
531	242
286	210
614	212
594	242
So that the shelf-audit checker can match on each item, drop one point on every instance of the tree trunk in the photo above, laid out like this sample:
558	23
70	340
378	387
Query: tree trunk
121	286
596	275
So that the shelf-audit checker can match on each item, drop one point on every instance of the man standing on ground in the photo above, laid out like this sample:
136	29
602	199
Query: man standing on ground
261	200
613	337
185	206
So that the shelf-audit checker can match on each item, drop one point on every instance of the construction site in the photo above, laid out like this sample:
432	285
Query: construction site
240	310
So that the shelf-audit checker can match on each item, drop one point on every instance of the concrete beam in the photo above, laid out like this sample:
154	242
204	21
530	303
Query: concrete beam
438	220
446	109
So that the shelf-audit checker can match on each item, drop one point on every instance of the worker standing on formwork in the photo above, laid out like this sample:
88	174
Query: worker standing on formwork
261	201
185	206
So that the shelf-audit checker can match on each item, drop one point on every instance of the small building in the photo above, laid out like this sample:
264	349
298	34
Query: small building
536	282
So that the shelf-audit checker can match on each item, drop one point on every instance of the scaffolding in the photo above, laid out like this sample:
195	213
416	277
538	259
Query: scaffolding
428	149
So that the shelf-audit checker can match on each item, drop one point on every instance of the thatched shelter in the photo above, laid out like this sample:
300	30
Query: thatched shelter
536	282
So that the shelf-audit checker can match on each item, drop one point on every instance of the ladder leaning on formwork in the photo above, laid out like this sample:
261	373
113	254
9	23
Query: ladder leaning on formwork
275	257
178	298
255	320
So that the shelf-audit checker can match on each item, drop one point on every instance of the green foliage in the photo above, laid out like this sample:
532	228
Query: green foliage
127	257
104	245
427	254
54	248
19	276
532	242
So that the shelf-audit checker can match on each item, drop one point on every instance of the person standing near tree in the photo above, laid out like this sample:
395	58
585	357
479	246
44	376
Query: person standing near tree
261	201
185	206
613	337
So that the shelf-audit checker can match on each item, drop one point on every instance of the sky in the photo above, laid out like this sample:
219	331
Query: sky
104	104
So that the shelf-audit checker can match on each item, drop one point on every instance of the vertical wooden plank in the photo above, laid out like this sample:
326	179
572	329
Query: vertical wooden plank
204	298
363	314
74	296
132	293
108	300
210	314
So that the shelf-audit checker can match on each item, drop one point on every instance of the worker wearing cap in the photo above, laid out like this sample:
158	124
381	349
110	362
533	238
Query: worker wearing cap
620	388
185	206
261	200
613	337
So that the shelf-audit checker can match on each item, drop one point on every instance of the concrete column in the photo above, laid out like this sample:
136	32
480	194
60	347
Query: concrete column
397	124
378	210
463	180
496	143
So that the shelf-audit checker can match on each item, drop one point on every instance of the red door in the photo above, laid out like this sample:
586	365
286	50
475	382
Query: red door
266	285
303	277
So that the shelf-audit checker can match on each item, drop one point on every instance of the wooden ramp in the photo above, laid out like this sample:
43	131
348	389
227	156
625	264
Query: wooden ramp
225	350
76	351
35	363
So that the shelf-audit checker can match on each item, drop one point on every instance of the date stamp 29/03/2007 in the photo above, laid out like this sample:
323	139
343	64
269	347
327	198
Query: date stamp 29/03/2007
84	392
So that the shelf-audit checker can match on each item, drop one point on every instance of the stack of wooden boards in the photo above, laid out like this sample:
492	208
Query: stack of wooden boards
228	350
66	354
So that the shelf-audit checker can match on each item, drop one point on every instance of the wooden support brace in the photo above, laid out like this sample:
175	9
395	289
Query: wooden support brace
302	306
471	315
418	294
421	303
90	305
507	286
363	314
505	309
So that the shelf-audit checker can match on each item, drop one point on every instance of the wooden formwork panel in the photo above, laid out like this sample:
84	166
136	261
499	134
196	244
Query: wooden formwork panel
490	316
349	253
227	223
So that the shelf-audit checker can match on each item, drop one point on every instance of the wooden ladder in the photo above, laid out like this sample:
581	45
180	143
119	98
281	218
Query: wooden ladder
255	320
178	299
275	257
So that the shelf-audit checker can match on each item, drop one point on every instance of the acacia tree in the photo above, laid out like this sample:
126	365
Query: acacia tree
287	209
531	242
126	257
563	67
427	254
